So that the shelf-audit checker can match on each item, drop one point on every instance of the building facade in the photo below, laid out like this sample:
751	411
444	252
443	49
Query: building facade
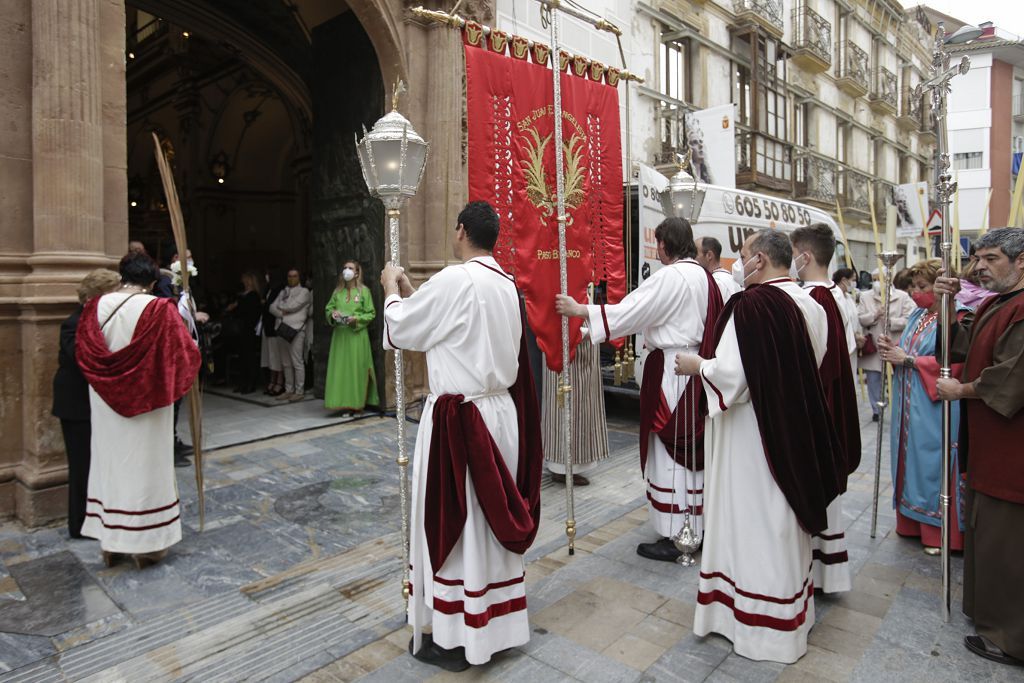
822	91
986	125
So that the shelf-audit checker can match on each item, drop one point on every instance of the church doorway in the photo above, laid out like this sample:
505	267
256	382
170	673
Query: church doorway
257	103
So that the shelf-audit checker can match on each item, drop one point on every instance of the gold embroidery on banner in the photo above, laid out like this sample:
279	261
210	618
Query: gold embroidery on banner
563	60
541	53
474	32
498	41
580	65
597	70
520	47
612	76
538	191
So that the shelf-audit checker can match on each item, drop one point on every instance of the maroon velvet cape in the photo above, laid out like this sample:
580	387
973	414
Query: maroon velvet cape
674	427
797	435
995	461
837	381
461	441
154	370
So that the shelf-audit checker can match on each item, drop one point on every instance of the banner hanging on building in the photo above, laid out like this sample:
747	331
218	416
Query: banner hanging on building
911	202
510	116
711	139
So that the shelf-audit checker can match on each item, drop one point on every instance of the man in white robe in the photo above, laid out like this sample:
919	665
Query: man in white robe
671	308
813	249
709	255
765	481
466	319
138	357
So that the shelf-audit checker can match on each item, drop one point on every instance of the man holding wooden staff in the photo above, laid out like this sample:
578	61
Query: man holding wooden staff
991	395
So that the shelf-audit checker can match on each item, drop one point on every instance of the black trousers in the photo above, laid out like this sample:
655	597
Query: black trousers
77	435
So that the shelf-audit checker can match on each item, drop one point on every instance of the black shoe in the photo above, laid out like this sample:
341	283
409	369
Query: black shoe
663	550
983	647
453	660
181	448
874	418
181	461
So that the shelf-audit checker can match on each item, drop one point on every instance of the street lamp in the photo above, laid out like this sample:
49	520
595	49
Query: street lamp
393	156
939	86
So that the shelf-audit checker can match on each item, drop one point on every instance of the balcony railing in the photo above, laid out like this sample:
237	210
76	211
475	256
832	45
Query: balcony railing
884	91
763	161
853	74
853	191
812	37
816	180
767	13
1018	105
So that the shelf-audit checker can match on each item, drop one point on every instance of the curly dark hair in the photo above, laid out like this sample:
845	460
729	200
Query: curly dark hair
138	268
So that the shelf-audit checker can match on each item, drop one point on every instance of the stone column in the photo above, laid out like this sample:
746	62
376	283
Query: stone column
76	106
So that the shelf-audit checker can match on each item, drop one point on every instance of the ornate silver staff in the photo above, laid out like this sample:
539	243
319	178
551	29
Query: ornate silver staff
393	157
564	387
938	85
686	540
888	259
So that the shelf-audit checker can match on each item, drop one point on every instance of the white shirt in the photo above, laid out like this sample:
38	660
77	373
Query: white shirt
726	284
848	313
466	318
670	308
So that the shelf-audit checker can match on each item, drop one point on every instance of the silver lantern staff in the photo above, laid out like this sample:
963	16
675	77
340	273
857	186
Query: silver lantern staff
684	198
393	157
938	85
888	260
550	9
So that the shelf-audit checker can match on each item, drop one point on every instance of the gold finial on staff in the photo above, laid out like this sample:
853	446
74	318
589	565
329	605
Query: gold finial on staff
398	90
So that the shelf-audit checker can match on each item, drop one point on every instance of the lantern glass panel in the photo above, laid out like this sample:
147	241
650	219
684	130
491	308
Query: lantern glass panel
387	159
364	163
415	157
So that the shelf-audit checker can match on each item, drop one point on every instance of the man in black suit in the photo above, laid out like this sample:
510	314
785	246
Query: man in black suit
71	400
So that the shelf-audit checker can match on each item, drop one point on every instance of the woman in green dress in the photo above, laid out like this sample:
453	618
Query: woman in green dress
351	383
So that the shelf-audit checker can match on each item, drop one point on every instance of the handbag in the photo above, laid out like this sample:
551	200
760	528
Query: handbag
287	332
869	347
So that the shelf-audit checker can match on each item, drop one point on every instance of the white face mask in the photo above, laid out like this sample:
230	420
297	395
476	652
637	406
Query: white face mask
876	287
794	269
348	274
739	273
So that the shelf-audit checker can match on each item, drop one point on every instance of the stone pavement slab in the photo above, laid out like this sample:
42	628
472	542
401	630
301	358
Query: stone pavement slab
296	577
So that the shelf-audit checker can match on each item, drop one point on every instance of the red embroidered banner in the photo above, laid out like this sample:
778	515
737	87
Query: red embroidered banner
512	165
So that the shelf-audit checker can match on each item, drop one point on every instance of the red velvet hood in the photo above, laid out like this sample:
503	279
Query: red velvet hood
154	370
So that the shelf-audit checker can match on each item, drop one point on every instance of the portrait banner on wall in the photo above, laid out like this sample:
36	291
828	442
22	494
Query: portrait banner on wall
510	117
711	139
911	202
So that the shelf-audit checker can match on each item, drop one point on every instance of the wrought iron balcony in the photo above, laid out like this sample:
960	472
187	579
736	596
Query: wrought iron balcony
884	95
1018	107
853	75
816	180
765	13
812	39
853	191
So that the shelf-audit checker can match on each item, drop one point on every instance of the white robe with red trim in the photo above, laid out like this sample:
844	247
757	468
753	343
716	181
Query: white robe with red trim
830	559
132	505
467	320
755	583
670	308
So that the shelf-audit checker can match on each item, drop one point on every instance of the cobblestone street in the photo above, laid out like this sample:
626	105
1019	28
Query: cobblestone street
296	578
